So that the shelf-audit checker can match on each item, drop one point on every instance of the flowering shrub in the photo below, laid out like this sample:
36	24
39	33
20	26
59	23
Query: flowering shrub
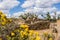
11	31
3	19
48	36
23	33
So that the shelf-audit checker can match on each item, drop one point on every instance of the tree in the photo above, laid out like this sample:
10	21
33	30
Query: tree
28	15
43	16
58	16
48	16
54	17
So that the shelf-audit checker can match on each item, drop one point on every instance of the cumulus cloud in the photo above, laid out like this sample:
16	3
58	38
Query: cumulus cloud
6	5
39	3
58	12
39	6
40	17
53	14
40	10
17	14
27	4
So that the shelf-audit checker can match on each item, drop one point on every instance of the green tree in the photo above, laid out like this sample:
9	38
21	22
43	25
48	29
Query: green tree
28	15
54	17
48	16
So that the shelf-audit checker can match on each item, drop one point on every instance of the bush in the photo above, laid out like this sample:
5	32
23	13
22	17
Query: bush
11	31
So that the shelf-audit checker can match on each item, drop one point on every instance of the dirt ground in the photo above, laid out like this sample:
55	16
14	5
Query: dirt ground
57	37
57	26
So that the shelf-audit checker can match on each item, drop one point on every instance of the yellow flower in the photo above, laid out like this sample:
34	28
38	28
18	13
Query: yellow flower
50	39
12	34
24	33
24	26
51	34
36	33
3	15
26	29
4	20
21	34
10	20
38	38
0	12
45	33
31	32
0	38
3	23
16	30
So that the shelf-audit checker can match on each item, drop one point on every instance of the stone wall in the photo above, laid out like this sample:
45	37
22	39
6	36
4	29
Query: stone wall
39	25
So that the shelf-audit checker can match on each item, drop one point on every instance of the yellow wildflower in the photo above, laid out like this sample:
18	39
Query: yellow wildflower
3	23
36	33
38	38
4	20
31	32
26	26
16	30
12	34
46	33
50	39
25	33
23	25
3	15
21	34
0	12
26	29
10	20
0	38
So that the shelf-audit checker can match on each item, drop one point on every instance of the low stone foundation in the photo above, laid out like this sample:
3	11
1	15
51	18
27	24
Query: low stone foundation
39	25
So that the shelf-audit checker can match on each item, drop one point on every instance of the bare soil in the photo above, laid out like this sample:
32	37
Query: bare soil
57	36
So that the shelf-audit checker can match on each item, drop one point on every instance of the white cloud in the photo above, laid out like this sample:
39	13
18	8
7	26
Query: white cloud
50	9
17	14
40	17
40	10
6	5
39	3
39	6
27	4
35	10
57	14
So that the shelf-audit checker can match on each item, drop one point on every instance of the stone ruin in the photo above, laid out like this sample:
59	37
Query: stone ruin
34	24
37	24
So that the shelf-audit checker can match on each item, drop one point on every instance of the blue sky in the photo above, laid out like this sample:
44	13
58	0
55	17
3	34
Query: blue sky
18	7
57	6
